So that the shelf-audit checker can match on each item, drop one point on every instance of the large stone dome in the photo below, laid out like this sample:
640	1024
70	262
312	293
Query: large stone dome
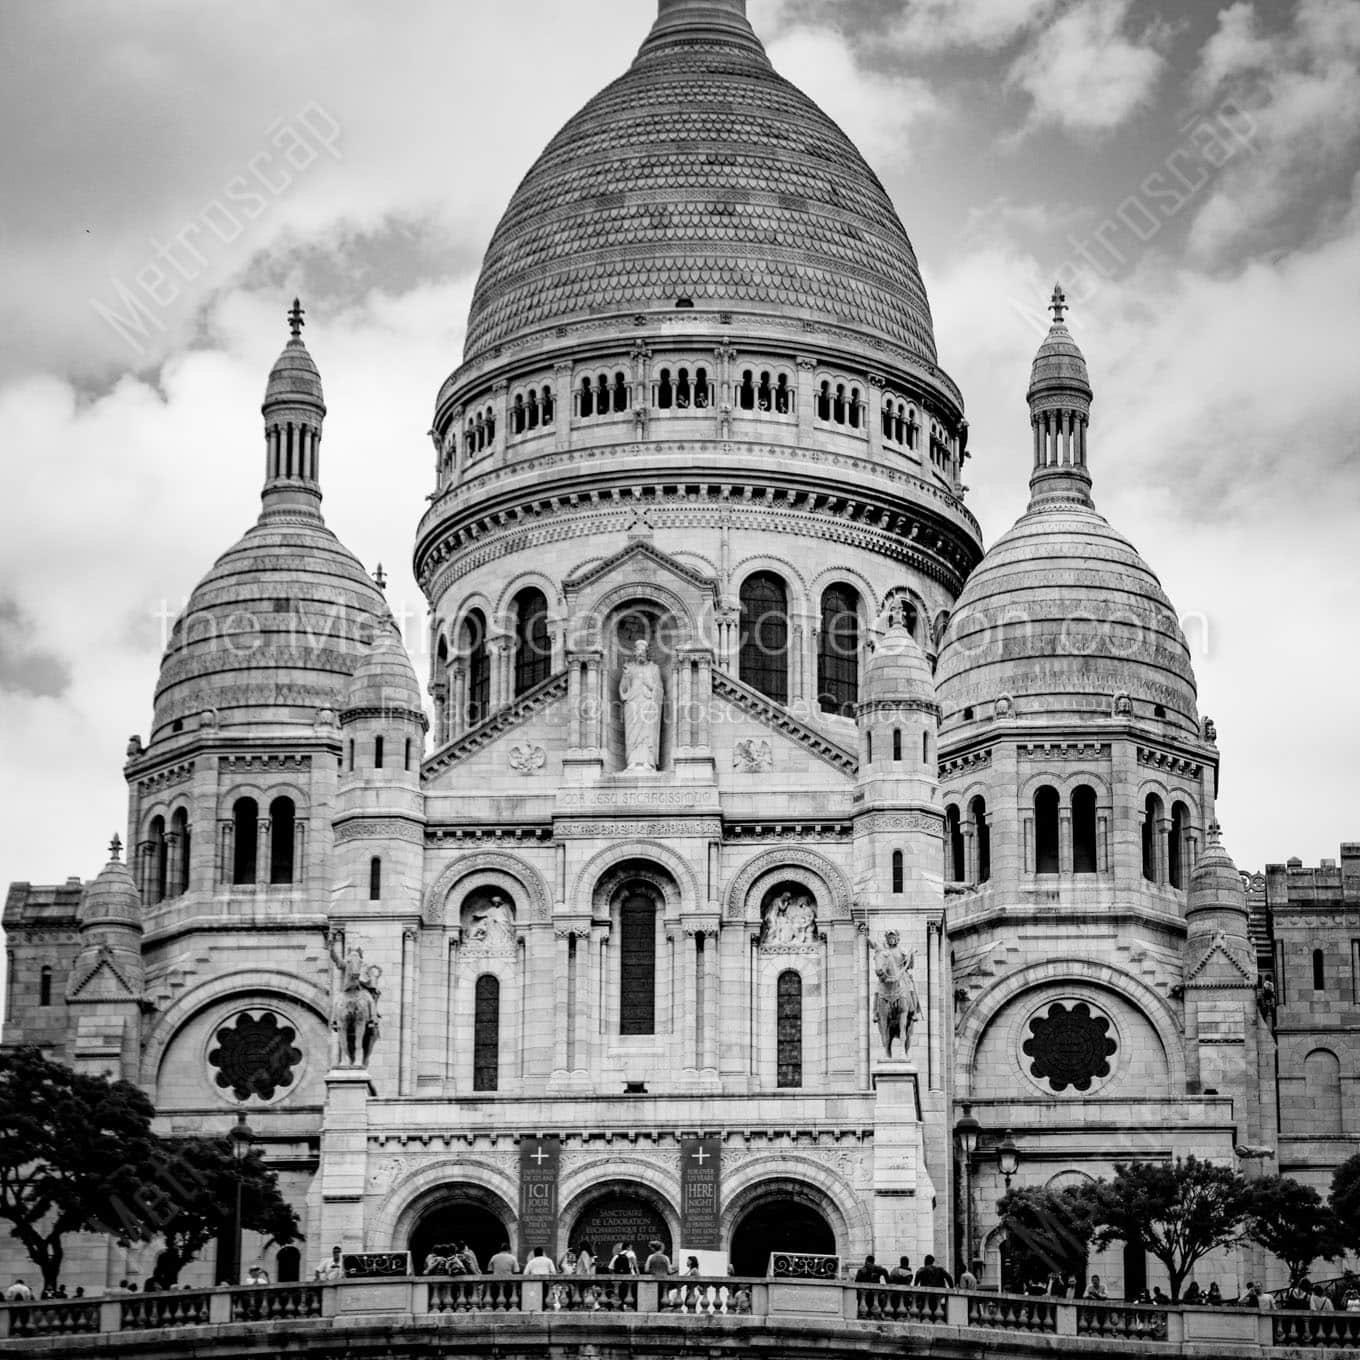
701	174
1063	619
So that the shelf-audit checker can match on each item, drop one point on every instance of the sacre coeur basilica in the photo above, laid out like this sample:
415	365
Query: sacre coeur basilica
759	855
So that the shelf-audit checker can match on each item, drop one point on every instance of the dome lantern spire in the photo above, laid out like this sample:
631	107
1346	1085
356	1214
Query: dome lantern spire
688	20
1059	399
294	409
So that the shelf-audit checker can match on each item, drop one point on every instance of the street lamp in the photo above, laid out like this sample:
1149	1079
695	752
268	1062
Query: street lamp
242	1140
966	1133
1007	1157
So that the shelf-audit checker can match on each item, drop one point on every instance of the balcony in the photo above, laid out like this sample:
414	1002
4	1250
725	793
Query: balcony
398	1317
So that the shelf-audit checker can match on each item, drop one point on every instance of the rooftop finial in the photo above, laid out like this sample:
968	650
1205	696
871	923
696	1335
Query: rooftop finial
295	321
115	848
1058	304
1215	832
380	577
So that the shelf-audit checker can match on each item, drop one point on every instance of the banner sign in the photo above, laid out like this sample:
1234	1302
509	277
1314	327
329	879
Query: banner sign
701	1192
540	1163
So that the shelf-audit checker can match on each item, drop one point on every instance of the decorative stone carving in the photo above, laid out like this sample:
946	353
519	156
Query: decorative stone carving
527	758
491	924
896	1005
255	1056
643	694
790	923
753	756
1070	1047
354	1007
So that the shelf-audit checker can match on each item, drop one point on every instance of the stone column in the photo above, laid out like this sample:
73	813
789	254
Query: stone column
440	693
563	414
262	850
451	1017
1162	850
807	388
684	724
1064	838
970	852
711	1009
582	1056
874	405
562	995
226	855
409	1005
458	713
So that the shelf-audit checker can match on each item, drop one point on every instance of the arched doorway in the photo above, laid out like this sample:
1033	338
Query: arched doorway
457	1220
780	1224
619	1216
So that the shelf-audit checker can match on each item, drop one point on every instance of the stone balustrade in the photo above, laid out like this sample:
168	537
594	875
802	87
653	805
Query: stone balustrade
870	1320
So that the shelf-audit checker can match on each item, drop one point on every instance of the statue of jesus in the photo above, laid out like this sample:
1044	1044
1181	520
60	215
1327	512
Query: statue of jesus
643	694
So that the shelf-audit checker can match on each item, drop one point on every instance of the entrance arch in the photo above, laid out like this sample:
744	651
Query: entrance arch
621	1215
778	1223
463	1214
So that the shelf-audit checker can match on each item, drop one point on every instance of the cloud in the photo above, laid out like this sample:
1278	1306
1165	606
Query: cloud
877	111
1299	90
25	669
1084	74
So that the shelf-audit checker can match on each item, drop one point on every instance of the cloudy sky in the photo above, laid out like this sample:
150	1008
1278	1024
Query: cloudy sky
1189	171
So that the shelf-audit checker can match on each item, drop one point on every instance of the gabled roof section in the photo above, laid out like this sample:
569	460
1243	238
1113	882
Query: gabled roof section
774	715
647	551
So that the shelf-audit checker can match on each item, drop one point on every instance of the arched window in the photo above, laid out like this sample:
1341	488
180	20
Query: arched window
375	879
982	831
1083	830
838	651
585	402
746	391
682	390
547	404
179	824
1046	831
245	817
377	753
287	1265
517	415
953	830
665	390
789	1029
281	823
925	746
637	965
486	1033
45	985
897	743
1175	847
478	667
406	755
824	401
159	855
1152	816
1319	971
701	393
856	408
620	392
763	661
533	645
783	395
898	872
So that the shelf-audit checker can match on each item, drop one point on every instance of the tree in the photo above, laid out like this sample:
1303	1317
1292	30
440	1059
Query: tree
1291	1222
1345	1201
1177	1211
1048	1232
73	1151
199	1179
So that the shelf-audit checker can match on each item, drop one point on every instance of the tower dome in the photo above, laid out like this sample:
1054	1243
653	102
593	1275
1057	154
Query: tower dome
897	671
385	680
1062	619
274	630
112	898
701	178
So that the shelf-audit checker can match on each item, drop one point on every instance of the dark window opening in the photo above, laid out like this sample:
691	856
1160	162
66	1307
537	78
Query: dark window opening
533	644
637	966
1046	831
1083	830
1319	971
282	820
245	816
897	743
898	872
377	753
486	1034
1152	816
982	833
838	651
789	1029
478	668
375	879
1175	848
763	658
45	986
953	829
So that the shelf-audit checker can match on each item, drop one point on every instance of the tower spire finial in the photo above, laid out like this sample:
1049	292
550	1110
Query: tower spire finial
115	848
1057	304
295	321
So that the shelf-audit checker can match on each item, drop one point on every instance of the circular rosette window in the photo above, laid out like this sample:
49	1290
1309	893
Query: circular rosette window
255	1054
1070	1045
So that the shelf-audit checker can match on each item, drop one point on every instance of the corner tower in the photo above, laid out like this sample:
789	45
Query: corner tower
1077	784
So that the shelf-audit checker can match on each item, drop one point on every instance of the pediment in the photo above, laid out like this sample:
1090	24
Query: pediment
1223	965
100	982
763	722
640	564
515	749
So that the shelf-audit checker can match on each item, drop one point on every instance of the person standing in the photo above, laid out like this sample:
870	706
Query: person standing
539	1264
658	1263
967	1280
18	1292
585	1259
901	1272
502	1263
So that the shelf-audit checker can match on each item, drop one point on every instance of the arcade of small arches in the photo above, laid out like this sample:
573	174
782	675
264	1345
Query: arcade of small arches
476	672
620	389
777	1213
1068	836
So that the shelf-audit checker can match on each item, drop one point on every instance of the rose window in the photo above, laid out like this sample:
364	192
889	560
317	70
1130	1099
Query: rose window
1070	1046
255	1055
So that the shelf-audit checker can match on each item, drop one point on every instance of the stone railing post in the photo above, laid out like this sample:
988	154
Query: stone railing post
531	1294
219	1307
956	1310
111	1315
1065	1315
648	1294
